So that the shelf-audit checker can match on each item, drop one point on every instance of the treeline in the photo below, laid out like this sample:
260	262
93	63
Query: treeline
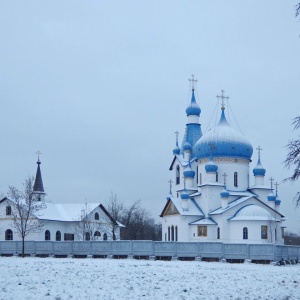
291	239
138	222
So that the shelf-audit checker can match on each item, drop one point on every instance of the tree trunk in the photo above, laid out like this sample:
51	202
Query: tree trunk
23	246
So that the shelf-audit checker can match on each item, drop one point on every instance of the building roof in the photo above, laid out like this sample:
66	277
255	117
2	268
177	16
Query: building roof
204	221
252	212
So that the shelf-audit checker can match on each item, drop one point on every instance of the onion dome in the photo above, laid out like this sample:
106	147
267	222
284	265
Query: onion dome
271	197
211	166
277	201
176	150
193	108
184	195
259	170
187	146
189	172
227	142
224	193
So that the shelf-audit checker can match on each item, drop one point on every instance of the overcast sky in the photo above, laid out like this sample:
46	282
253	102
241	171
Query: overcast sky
100	87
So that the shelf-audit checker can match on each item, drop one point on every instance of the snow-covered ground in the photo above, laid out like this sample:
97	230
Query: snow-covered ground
67	278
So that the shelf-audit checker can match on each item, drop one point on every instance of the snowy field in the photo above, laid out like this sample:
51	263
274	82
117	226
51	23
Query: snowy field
67	278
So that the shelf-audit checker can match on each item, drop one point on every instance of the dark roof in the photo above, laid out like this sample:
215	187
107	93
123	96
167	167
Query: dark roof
38	183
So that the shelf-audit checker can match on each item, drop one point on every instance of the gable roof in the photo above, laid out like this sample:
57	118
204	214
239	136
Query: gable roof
193	210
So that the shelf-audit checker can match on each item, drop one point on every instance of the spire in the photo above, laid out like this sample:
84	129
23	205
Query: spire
176	150
38	187
193	108
259	170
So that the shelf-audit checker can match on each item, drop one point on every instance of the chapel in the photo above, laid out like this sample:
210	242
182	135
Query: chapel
210	197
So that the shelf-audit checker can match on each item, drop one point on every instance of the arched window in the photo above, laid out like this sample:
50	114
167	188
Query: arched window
217	177
104	237
97	234
87	236
235	179
114	237
200	181
8	210
96	216
197	175
177	175
9	235
176	233
58	236
47	235
172	232
218	233
168	233
245	233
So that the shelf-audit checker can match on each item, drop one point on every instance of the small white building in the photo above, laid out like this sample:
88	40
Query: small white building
213	200
61	221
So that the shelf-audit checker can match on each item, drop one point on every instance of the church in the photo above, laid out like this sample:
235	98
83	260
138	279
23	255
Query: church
213	200
58	221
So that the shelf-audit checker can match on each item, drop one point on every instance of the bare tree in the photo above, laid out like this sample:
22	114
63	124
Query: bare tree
25	210
293	157
87	226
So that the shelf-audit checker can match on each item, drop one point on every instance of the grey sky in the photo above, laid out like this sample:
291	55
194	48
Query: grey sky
100	87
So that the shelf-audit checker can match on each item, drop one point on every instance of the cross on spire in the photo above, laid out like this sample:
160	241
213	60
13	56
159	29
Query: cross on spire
224	176
176	133
271	180
276	186
38	154
223	97
258	149
193	81
170	184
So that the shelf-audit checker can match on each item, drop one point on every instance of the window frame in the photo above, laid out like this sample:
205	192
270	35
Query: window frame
47	235
8	210
245	233
264	232
202	231
58	236
96	216
177	175
9	235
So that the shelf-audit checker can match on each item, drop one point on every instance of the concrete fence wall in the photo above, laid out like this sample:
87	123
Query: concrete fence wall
153	249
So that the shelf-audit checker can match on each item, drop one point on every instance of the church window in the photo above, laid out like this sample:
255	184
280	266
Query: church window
69	237
97	233
200	176
9	235
58	236
245	233
264	232
176	233
96	216
235	179
172	233
105	237
177	175
8	210
217	177
168	233
202	230
47	235
197	175
87	236
218	233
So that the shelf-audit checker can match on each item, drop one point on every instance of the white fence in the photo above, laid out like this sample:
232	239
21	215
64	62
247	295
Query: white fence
153	249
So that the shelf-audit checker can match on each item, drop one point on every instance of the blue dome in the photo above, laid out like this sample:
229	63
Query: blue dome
184	195
277	202
187	146
188	172
224	193
259	170
271	197
193	108
211	166
226	142
176	150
